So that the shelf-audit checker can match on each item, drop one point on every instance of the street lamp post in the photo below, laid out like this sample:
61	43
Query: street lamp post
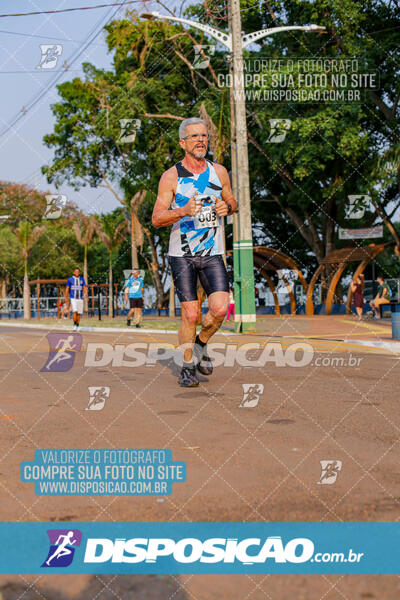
235	42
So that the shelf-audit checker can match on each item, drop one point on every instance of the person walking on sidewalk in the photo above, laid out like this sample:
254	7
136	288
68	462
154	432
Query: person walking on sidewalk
357	287
231	306
134	294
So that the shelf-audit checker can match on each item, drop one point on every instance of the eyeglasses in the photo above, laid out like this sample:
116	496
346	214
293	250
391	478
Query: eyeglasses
197	136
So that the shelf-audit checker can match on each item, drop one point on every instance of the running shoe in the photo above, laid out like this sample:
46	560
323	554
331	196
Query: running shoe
128	322
188	378
75	327
204	364
137	326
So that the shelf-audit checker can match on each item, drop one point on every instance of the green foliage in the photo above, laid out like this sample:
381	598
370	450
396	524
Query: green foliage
299	188
11	266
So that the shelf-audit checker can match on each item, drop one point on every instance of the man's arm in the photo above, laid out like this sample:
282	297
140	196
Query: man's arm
163	215
67	294
85	289
227	198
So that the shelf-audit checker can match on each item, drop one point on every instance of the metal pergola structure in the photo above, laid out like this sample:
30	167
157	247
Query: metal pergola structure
270	260
336	262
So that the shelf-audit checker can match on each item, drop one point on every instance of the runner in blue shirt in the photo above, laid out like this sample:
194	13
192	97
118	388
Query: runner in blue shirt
74	292
134	293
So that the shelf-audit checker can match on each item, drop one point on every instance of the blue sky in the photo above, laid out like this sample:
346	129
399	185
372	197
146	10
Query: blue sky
22	152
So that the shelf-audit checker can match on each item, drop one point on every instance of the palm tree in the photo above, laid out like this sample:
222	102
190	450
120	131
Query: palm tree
111	235
84	231
27	236
136	227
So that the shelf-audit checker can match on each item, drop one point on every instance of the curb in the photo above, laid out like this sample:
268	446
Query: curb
391	346
95	329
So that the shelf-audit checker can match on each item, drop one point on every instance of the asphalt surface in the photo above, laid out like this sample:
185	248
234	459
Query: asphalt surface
255	463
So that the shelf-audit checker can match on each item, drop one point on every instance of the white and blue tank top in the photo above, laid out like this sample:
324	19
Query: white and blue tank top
189	236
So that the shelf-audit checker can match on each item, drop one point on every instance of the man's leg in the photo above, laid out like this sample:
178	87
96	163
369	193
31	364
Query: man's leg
138	316
185	279
379	304
214	279
187	328
212	321
130	313
217	306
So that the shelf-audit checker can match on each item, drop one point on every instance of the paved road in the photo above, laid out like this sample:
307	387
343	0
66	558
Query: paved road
259	463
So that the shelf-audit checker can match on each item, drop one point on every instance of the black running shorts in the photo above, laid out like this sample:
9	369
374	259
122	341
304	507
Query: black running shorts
136	302
210	270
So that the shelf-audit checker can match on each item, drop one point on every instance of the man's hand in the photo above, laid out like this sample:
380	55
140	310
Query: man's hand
221	207
192	208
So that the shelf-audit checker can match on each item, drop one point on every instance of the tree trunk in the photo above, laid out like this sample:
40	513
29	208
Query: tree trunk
155	270
85	274
27	295
110	288
172	299
134	254
3	292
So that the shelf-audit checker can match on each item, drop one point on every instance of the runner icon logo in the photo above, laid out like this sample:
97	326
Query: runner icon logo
97	397
63	347
279	129
357	205
128	131
50	54
329	471
55	204
251	394
62	547
202	55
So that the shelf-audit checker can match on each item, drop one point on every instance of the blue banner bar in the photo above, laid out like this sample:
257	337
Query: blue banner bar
214	548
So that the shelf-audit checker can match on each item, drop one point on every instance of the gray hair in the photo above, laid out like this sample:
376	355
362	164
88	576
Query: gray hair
191	121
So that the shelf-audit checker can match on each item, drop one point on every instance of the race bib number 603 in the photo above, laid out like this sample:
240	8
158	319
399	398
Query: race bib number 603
206	218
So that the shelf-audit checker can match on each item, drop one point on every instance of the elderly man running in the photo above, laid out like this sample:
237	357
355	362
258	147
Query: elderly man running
193	196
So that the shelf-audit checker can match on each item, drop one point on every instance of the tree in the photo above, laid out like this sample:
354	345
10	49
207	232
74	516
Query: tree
84	230
10	262
27	236
300	186
111	234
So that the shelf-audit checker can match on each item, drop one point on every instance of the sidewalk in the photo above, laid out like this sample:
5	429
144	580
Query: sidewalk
336	328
